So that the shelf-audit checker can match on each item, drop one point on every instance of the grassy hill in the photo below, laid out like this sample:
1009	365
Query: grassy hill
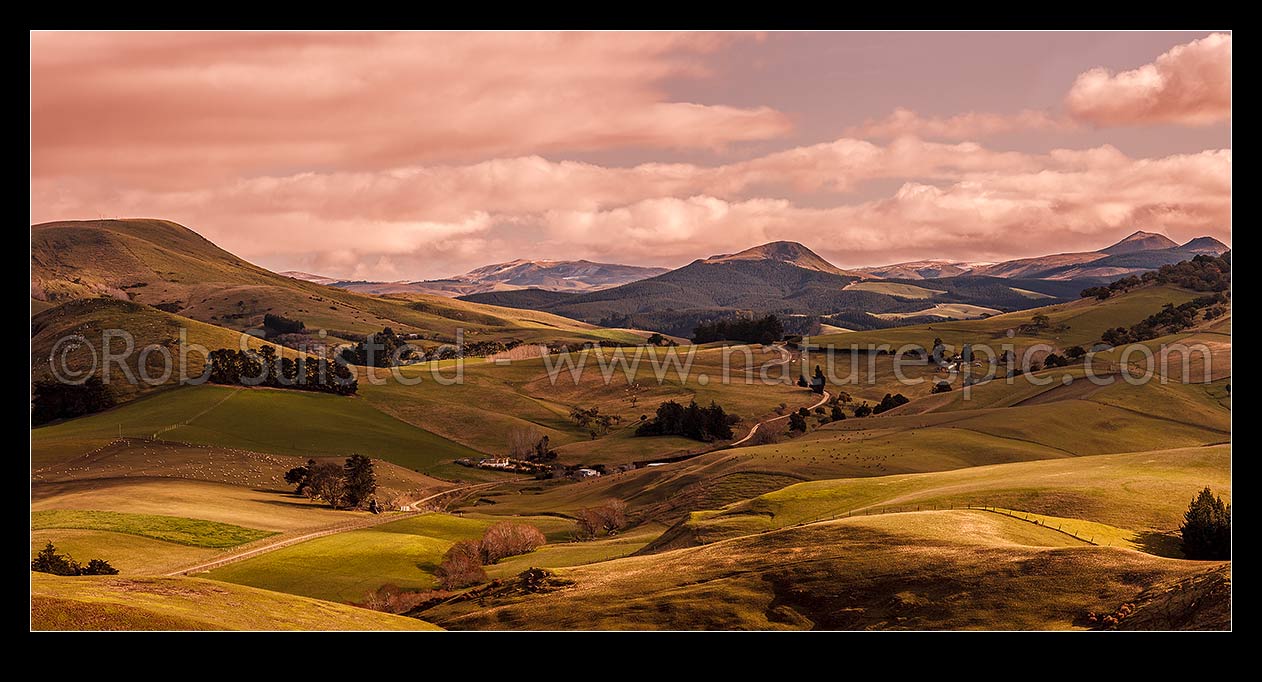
296	423
115	603
926	570
160	263
1142	493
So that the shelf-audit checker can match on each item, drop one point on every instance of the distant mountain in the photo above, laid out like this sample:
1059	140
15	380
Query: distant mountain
308	277
1141	241
781	277
1138	252
548	275
921	269
1206	245
790	253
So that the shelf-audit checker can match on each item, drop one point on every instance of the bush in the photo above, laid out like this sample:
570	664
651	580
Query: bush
461	566
837	413
507	539
941	387
1206	528
863	410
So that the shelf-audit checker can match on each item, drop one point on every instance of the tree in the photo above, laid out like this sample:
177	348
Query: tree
1206	528
522	440
461	566
941	387
818	381
359	481
326	482
1075	352
889	402
300	477
802	381
863	410
49	561
797	422
837	413
609	517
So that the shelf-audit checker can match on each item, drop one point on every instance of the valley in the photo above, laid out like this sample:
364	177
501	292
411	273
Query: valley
1022	501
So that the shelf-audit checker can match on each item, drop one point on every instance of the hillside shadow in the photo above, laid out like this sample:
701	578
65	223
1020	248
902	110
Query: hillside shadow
1167	545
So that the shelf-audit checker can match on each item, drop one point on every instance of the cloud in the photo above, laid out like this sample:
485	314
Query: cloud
1189	85
953	201
966	126
177	109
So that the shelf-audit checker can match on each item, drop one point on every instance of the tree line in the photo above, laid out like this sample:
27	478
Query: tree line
764	330
51	399
698	423
1169	320
264	368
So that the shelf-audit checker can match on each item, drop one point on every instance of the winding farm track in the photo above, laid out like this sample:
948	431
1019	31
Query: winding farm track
285	540
753	431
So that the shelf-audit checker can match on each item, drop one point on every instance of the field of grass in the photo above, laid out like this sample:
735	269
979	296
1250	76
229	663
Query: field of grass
266	510
176	529
927	570
952	310
346	566
895	289
130	554
297	423
118	603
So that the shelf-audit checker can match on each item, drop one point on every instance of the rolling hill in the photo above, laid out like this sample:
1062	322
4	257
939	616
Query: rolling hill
115	603
169	267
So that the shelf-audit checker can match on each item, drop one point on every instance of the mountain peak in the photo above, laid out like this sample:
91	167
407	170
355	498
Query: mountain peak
1206	245
792	253
1140	241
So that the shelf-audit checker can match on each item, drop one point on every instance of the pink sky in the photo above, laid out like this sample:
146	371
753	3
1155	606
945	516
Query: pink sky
419	155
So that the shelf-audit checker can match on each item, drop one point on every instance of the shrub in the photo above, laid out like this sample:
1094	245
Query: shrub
507	539
863	410
838	413
797	422
889	402
461	566
941	387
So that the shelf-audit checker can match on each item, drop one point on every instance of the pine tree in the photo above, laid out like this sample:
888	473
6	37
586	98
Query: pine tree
360	480
1206	527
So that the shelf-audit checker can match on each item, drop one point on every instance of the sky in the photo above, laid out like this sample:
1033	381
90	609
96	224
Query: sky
406	156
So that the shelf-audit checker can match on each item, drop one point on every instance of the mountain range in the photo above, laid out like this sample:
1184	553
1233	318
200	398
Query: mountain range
1138	252
547	275
789	279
